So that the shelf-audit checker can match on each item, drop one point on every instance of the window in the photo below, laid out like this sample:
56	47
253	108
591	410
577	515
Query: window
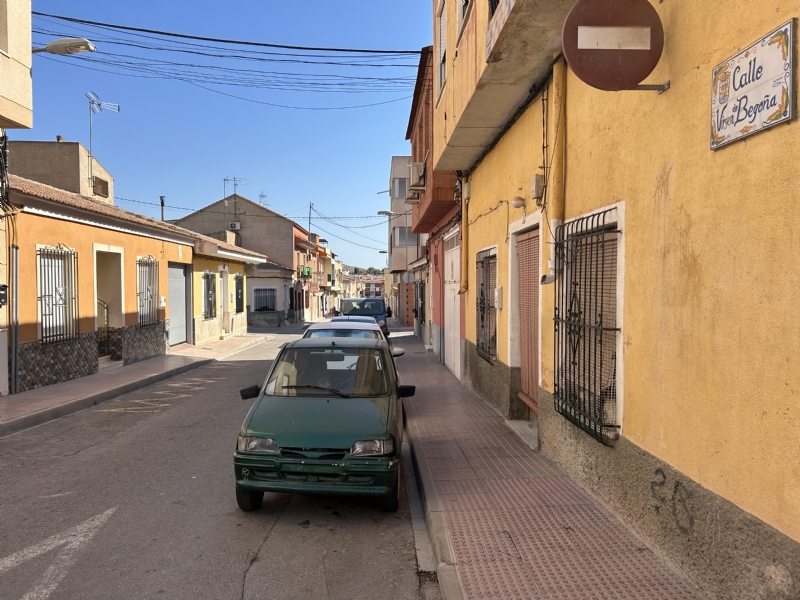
147	290
493	6
348	372
100	187
403	237
441	42
238	286
265	299
463	9
486	280
399	188
586	324
4	25
420	292
209	295
58	295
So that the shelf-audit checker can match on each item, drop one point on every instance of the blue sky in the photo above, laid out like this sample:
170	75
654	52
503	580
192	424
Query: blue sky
176	140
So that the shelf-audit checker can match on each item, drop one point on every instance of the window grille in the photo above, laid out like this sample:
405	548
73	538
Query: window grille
238	284
586	324
493	6
265	299
421	301
147	293
442	46
58	293
209	295
486	279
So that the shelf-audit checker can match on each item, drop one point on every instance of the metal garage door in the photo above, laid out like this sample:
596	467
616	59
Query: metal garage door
528	262
177	304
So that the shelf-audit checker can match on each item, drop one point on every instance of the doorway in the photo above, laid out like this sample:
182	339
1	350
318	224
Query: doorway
452	305
109	318
528	290
177	304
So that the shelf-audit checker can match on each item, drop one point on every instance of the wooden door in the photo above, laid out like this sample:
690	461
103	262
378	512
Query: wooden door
528	277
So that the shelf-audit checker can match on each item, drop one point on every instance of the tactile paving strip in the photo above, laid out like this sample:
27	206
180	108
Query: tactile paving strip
519	527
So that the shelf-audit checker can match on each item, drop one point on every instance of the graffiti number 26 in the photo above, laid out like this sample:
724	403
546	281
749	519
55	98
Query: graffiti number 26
679	502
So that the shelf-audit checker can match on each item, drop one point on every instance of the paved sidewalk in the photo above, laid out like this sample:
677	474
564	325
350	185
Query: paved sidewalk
35	407
506	522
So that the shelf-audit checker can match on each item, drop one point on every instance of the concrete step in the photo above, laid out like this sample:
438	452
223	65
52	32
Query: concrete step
105	362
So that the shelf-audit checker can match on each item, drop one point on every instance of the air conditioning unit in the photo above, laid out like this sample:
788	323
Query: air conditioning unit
234	225
412	198
417	177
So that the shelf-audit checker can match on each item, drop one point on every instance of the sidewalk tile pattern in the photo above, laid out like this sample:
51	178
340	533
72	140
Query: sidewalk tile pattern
520	528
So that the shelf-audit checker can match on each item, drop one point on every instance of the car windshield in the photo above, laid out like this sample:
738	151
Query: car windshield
341	333
351	372
367	306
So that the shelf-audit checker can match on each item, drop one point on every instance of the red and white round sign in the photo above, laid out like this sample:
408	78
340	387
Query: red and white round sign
613	44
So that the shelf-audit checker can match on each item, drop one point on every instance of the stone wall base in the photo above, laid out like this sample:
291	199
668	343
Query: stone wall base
266	319
141	343
497	383
720	549
46	364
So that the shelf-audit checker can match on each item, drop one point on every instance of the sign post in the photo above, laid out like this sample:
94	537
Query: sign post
614	45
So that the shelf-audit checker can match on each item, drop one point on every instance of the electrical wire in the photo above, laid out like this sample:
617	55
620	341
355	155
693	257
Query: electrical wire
219	40
330	220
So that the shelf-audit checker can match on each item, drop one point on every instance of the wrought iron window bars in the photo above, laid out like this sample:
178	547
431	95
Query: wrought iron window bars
209	294
486	279
58	293
586	326
147	294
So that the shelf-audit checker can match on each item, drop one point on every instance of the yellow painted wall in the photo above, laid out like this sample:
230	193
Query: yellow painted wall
35	230
711	334
465	64
712	259
16	90
504	173
203	264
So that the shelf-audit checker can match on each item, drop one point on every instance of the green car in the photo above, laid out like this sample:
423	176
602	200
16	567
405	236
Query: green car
328	420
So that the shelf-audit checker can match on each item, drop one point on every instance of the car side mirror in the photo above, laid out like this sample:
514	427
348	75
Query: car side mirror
406	391
249	393
387	333
398	352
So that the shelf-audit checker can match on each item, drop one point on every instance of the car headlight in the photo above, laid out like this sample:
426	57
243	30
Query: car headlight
372	448
256	444
382	323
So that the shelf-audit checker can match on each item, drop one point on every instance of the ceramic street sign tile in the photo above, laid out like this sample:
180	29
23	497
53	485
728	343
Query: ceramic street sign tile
754	89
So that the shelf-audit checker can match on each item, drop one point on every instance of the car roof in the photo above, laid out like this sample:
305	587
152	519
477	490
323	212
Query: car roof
354	319
365	298
346	325
337	343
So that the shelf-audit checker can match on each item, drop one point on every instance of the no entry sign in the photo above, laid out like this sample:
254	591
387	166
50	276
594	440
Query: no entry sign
613	44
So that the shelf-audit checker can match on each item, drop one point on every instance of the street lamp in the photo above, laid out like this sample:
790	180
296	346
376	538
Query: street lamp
67	46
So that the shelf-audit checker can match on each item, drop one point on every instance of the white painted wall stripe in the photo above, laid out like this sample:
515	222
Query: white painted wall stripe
613	38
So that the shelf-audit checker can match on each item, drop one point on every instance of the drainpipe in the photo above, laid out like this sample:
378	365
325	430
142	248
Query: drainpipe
465	191
556	189
14	318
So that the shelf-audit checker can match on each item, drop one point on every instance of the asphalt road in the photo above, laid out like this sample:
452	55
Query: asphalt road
135	499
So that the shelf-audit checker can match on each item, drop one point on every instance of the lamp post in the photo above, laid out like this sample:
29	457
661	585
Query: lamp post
66	46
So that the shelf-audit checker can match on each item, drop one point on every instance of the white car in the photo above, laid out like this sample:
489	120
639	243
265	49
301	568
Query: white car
350	329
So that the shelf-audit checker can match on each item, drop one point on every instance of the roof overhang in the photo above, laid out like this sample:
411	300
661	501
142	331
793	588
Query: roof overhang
522	39
205	248
54	210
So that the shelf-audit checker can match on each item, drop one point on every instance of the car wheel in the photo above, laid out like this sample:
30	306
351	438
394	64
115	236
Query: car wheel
249	500
391	501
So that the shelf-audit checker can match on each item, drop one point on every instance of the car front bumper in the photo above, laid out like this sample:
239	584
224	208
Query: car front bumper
369	476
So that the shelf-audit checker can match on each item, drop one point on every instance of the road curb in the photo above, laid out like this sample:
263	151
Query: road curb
56	412
435	520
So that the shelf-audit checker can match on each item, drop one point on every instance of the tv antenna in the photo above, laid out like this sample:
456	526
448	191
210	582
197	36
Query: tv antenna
262	199
96	106
236	181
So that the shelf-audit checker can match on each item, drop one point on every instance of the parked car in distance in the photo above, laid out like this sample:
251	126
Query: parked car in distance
365	307
354	319
328	420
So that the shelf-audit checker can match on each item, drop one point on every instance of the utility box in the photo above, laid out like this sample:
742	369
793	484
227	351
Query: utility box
498	297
